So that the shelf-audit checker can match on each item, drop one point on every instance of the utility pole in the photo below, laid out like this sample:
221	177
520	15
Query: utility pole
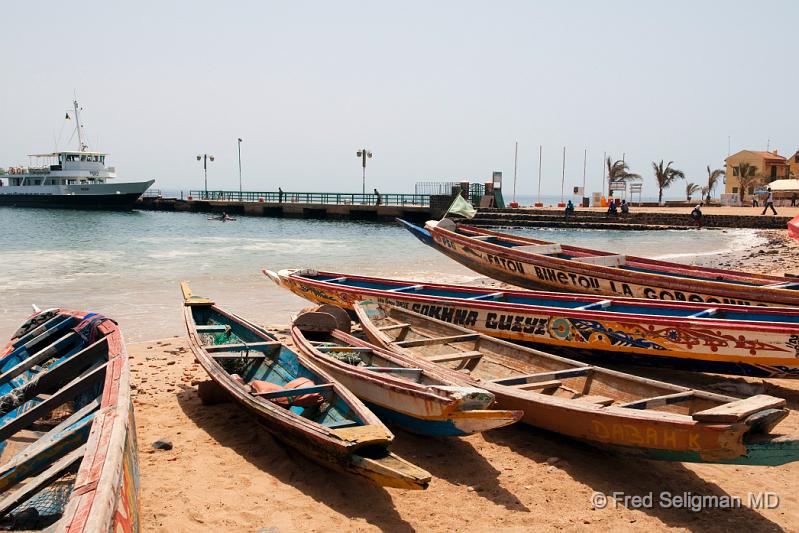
205	158
540	153
515	166
563	174
240	196
364	154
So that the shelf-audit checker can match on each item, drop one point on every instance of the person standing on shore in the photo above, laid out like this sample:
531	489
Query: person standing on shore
569	210
793	200
279	195
769	203
696	214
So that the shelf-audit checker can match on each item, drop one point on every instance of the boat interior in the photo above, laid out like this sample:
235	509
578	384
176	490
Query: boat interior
51	386
498	362
270	370
336	347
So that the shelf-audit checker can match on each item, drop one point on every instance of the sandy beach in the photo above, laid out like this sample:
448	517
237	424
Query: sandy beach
225	473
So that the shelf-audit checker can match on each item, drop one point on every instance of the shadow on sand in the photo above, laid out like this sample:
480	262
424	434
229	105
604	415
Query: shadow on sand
456	461
340	492
608	473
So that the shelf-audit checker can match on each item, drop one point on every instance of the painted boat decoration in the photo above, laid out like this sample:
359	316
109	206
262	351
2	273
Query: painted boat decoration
611	409
537	264
412	398
730	339
68	458
297	402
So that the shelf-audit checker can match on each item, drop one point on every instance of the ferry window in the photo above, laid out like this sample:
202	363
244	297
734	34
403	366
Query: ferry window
102	159
83	158
37	182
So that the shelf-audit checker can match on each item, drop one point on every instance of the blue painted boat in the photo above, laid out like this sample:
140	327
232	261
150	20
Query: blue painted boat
397	391
293	399
67	439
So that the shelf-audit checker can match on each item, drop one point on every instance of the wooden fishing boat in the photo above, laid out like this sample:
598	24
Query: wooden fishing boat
394	389
297	402
604	407
537	264
762	341
67	436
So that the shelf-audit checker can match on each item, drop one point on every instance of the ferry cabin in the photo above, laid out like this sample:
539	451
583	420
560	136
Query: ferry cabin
62	168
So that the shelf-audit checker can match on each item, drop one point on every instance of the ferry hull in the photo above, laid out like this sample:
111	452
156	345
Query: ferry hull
120	196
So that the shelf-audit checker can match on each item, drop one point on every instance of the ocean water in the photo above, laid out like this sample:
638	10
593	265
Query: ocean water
129	265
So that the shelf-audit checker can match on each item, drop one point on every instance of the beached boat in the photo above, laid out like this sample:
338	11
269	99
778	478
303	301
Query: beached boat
762	341
627	413
296	401
394	389
537	264
67	437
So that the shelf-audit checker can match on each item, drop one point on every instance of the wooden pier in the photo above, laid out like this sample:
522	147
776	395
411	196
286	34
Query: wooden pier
333	206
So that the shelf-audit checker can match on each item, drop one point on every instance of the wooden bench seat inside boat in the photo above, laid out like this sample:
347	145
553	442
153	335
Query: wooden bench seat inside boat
596	399
301	392
455	356
401	325
541	249
394	369
544	376
438	340
240	346
603	260
542	386
213	328
735	411
602	304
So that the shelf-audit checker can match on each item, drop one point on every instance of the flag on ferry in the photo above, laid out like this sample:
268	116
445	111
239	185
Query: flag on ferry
461	207
66	117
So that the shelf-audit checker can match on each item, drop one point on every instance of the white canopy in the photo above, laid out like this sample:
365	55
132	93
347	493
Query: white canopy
784	185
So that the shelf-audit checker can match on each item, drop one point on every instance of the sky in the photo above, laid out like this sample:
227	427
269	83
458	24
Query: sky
438	91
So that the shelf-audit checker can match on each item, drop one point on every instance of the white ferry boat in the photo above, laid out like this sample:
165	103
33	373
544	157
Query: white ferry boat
69	179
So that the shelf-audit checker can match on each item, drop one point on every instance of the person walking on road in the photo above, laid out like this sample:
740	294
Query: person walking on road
769	203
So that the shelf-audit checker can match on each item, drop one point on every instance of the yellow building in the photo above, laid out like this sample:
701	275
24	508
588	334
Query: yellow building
793	162
766	166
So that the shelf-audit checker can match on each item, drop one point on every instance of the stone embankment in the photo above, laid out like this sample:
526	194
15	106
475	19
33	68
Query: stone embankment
642	220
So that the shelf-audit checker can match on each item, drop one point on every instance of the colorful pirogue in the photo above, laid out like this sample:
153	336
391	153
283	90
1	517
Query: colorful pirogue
538	264
623	412
412	398
298	403
67	437
730	339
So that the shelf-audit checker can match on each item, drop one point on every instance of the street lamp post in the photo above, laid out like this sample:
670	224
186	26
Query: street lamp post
364	154
239	169
204	158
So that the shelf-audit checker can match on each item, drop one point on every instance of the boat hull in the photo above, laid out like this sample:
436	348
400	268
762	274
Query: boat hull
537	271
640	432
110	196
692	344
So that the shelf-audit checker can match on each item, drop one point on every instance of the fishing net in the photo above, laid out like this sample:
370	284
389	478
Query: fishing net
351	358
43	508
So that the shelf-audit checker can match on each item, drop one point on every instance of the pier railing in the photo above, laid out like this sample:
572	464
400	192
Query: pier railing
287	197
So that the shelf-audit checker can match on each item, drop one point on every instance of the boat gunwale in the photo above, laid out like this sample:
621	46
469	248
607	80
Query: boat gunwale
592	314
670	266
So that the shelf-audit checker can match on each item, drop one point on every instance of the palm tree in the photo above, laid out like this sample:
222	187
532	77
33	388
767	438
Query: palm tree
690	189
713	177
619	172
748	177
665	176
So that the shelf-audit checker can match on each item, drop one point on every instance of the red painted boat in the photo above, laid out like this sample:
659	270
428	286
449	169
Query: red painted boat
537	264
67	437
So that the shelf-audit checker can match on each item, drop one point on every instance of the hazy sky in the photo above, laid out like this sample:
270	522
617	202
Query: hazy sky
437	90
